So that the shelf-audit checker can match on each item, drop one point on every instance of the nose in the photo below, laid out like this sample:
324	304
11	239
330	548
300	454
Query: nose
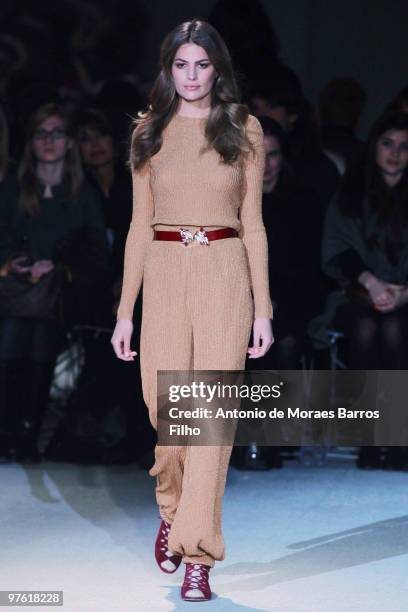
395	153
192	74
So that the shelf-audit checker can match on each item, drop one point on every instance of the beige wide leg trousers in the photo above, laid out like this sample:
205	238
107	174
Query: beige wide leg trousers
197	314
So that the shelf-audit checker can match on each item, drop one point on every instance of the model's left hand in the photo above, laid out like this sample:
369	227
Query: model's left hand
263	338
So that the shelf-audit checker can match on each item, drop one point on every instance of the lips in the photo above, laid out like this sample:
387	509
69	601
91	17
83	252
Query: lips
191	87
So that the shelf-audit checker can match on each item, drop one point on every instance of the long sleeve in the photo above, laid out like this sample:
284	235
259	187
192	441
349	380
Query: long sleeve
252	230
139	236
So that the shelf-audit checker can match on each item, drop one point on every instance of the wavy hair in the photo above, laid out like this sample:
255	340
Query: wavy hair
225	126
27	175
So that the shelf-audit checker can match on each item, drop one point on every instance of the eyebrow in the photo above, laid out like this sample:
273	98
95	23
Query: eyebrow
197	62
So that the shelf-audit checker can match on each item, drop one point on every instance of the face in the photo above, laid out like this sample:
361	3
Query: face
392	152
50	142
261	107
96	148
193	73
273	159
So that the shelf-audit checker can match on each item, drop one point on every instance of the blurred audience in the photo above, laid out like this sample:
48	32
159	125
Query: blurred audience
365	247
108	173
51	227
293	222
341	103
282	99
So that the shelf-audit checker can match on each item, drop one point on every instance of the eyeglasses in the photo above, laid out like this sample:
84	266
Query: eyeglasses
55	134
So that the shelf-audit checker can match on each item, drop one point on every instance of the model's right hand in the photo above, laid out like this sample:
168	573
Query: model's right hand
121	340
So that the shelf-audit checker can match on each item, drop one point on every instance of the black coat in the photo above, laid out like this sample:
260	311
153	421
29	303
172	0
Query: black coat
293	222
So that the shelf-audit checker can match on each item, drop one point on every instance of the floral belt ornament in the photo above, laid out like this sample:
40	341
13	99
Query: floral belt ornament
200	236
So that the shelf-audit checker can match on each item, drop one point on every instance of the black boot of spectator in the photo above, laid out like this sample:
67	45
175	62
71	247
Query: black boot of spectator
8	407
36	394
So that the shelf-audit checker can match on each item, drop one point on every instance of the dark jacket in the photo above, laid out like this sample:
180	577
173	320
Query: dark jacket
70	232
293	222
117	209
58	216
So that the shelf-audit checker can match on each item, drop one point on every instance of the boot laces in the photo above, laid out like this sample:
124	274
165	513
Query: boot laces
196	575
165	538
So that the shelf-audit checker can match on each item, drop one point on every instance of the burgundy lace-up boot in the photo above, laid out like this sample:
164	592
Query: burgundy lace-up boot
166	560
195	586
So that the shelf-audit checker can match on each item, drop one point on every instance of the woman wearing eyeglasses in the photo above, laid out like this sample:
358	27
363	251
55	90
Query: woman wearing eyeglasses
198	241
44	203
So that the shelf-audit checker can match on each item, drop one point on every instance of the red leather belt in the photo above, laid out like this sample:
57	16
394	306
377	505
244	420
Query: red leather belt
203	237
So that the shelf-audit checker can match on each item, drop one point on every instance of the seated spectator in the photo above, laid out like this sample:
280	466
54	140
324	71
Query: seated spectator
284	102
108	174
50	221
106	391
341	103
365	247
293	222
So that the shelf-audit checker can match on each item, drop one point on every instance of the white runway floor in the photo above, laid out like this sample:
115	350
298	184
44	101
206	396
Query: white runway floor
332	539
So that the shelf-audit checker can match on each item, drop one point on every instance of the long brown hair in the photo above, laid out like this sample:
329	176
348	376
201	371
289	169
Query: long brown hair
225	126
27	175
363	189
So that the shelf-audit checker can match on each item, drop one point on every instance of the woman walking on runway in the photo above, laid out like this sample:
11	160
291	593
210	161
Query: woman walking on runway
198	242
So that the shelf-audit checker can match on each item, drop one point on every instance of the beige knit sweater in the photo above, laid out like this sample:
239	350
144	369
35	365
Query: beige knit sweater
182	187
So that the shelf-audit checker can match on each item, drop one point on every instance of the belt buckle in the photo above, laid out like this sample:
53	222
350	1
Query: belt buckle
199	236
186	236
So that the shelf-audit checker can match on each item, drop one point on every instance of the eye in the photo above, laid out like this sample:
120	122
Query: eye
202	65
386	143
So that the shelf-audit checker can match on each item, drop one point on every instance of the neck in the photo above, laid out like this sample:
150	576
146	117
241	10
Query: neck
189	109
50	174
392	179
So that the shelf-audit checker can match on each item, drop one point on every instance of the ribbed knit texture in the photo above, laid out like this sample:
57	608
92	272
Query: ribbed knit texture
197	314
181	186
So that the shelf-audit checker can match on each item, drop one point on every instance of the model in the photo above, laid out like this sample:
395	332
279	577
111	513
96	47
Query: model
198	242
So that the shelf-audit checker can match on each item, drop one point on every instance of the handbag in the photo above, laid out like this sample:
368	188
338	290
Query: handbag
21	297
